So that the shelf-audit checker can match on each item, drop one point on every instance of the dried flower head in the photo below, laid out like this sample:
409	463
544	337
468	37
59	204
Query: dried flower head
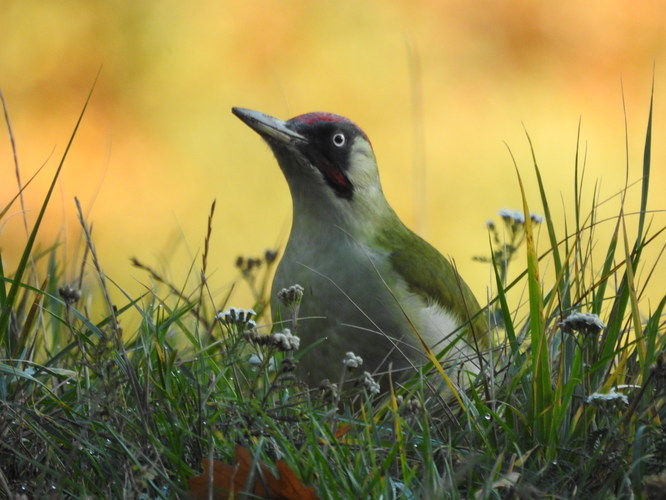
69	294
285	341
291	296
411	406
238	317
370	384
329	391
270	256
511	217
352	361
254	337
586	323
610	400
247	264
288	365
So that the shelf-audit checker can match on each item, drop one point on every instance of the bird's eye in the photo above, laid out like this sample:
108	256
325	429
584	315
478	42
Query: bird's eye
339	139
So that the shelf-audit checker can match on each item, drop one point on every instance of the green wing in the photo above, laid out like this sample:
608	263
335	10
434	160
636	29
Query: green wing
429	274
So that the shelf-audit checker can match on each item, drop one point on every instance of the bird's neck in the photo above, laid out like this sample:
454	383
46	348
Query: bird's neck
361	217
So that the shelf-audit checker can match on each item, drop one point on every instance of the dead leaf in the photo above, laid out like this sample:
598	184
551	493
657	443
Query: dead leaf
287	485
229	480
342	430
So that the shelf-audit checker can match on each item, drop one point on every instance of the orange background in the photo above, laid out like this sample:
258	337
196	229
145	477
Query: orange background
441	88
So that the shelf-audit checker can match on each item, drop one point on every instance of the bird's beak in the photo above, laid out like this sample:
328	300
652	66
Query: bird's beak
267	126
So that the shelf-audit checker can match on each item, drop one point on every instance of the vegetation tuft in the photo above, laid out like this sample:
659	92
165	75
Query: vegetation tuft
571	405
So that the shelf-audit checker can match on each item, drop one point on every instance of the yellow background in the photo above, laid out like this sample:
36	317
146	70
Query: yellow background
440	87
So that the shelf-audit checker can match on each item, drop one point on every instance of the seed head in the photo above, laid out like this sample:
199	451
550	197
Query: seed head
411	406
291	296
238	317
511	216
586	323
69	294
288	365
270	256
285	341
352	361
369	383
329	391
610	400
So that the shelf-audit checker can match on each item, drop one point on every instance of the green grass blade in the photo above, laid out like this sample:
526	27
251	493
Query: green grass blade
557	260
18	195
542	392
645	183
505	311
13	289
3	291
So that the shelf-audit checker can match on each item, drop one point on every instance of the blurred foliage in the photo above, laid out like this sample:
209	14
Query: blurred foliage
437	85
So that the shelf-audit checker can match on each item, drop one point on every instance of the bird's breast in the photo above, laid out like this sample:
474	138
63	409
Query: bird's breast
351	292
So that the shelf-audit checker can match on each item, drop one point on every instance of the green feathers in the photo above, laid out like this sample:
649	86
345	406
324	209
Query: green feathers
427	273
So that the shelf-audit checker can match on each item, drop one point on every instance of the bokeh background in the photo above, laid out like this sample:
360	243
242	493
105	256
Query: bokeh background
441	87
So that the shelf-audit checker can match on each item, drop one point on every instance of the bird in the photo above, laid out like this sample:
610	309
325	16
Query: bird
371	286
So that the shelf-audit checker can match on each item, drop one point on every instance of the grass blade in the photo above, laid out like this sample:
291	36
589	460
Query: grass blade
27	251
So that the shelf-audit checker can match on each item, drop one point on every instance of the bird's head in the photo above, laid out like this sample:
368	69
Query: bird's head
328	163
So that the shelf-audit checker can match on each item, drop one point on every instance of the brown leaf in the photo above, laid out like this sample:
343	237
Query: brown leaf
229	480
287	486
219	484
342	430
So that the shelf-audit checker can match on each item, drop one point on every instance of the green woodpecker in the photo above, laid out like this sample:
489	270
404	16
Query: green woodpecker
371	286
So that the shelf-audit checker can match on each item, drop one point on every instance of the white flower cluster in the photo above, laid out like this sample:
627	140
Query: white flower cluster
352	361
285	341
237	316
582	322
517	216
369	383
611	398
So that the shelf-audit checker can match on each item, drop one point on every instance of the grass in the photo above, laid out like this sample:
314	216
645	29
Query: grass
573	408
